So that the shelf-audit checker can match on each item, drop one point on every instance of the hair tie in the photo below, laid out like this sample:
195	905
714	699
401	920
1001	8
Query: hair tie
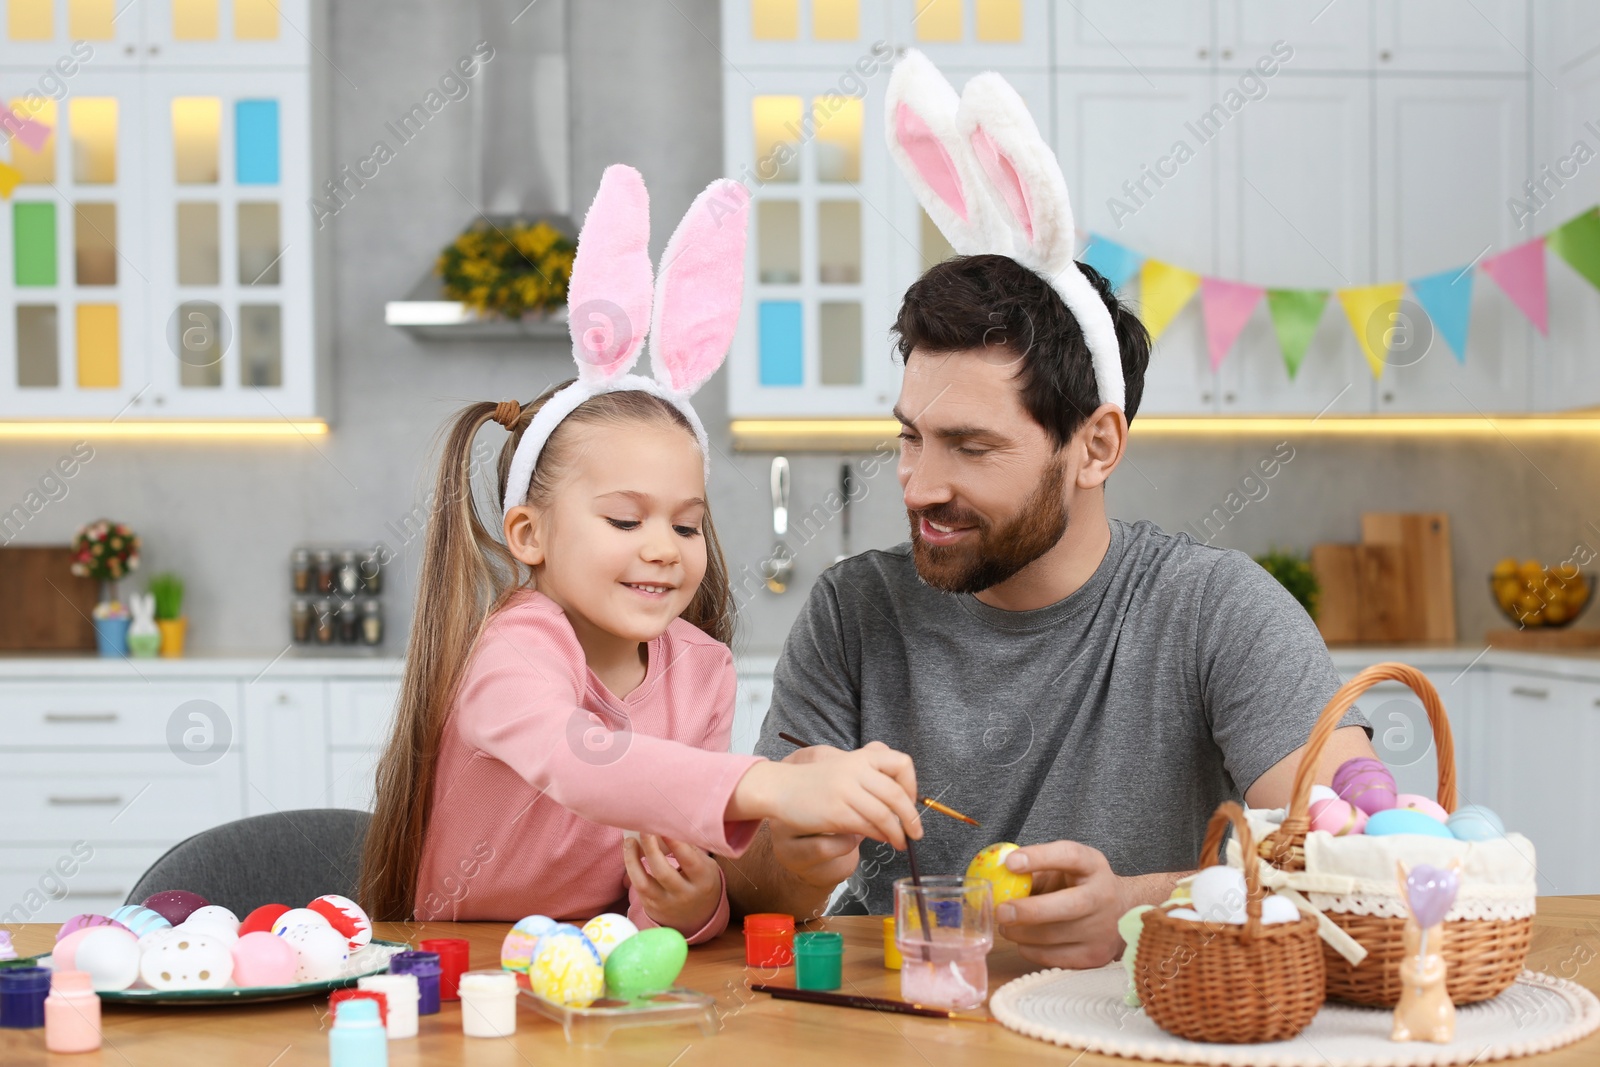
506	413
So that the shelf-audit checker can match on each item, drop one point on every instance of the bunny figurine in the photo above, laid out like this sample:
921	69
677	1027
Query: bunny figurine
144	639
1425	1011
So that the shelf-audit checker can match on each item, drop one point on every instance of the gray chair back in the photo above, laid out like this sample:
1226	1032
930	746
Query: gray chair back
287	857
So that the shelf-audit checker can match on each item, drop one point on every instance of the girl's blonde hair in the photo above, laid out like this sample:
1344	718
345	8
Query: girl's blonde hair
467	575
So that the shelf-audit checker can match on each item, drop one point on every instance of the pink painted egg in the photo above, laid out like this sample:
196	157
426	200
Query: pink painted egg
175	905
64	956
1366	783
84	922
261	958
1338	817
1426	805
345	916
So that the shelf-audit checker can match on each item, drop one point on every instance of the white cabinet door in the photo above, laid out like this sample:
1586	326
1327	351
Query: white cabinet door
1295	206
1135	38
1323	36
229	326
52	883
360	718
1448	151
1444	35
1565	33
286	726
1120	140
1566	170
1542	737
811	338
1403	739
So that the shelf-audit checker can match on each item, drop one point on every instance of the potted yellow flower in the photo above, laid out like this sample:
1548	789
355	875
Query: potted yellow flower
510	270
167	588
107	551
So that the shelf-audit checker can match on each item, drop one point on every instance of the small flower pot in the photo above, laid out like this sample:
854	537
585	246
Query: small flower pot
144	645
172	636
111	635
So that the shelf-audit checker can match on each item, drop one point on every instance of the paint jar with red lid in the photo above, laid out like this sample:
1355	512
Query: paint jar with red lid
768	940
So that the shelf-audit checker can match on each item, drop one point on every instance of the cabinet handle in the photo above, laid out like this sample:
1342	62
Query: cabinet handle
1227	53
106	892
1205	398
1204	52
84	802
1530	691
1228	398
80	716
1385	55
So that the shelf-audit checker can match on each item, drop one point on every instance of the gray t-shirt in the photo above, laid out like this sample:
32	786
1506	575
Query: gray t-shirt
1120	716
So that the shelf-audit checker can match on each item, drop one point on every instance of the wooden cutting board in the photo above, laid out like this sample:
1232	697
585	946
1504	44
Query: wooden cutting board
1363	597
43	608
1423	539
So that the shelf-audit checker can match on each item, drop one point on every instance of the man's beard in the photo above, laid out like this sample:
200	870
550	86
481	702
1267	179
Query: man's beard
992	554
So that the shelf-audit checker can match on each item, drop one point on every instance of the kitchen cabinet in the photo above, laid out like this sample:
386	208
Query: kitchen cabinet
1442	36
1542	737
1326	37
158	256
1274	224
1433	213
1118	134
1112	35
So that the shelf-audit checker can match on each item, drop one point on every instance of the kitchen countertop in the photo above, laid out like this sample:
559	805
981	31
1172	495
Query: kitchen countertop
295	664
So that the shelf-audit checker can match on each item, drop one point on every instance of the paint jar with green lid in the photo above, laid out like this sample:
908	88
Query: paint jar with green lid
819	960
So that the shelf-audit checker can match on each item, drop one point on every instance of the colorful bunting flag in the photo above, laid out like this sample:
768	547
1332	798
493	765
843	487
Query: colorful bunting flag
30	132
1295	313
1447	298
1227	307
1361	307
10	178
1164	289
1117	262
1520	274
1578	242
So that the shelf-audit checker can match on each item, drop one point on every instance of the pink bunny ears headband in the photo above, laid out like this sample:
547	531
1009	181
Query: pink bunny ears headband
991	184
609	300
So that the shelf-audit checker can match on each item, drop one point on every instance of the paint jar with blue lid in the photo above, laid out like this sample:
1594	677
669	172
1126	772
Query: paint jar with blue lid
22	994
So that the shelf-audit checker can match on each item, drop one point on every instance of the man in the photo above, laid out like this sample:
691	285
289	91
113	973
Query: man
1090	688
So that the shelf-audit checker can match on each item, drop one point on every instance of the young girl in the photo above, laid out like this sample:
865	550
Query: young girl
575	681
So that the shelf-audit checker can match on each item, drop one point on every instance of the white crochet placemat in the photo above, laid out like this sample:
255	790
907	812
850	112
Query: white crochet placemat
1084	1009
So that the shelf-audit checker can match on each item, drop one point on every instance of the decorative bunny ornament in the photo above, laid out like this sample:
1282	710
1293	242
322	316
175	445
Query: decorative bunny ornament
1425	1011
991	184
695	300
143	608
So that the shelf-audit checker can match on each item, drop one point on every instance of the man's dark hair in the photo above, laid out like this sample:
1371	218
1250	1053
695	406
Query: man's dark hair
975	301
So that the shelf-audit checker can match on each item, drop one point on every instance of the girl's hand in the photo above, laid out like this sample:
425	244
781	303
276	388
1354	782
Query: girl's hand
682	897
822	790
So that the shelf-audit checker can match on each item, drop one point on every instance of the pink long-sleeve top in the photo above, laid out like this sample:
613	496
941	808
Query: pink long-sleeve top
542	767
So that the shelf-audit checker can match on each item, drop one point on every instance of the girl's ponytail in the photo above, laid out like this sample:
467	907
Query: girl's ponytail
466	574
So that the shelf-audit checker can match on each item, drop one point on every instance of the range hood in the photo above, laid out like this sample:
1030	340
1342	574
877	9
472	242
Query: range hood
521	159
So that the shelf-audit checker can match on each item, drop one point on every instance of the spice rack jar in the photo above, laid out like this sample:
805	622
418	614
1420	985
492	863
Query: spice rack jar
335	602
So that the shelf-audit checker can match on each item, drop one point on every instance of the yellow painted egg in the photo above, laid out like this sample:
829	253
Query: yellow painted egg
991	864
608	931
567	970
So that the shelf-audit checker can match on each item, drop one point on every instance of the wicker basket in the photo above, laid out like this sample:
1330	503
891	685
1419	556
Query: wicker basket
1225	982
1484	955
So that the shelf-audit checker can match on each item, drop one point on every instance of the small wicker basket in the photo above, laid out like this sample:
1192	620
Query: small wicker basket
1225	982
1484	955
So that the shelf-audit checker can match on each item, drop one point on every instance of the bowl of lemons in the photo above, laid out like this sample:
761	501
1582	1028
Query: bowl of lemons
1531	594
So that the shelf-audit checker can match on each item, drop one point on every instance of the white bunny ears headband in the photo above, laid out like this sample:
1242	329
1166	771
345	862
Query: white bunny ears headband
609	300
991	184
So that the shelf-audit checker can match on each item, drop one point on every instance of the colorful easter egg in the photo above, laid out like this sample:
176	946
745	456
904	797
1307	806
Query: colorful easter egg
1474	822
140	920
567	970
1427	805
262	958
608	931
322	951
110	956
262	919
298	917
1338	817
84	922
175	905
345	916
1366	783
1322	792
194	961
991	864
63	955
1218	894
517	950
1404	821
648	962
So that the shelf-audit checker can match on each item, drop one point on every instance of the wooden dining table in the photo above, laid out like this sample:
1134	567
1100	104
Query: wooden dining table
753	1030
